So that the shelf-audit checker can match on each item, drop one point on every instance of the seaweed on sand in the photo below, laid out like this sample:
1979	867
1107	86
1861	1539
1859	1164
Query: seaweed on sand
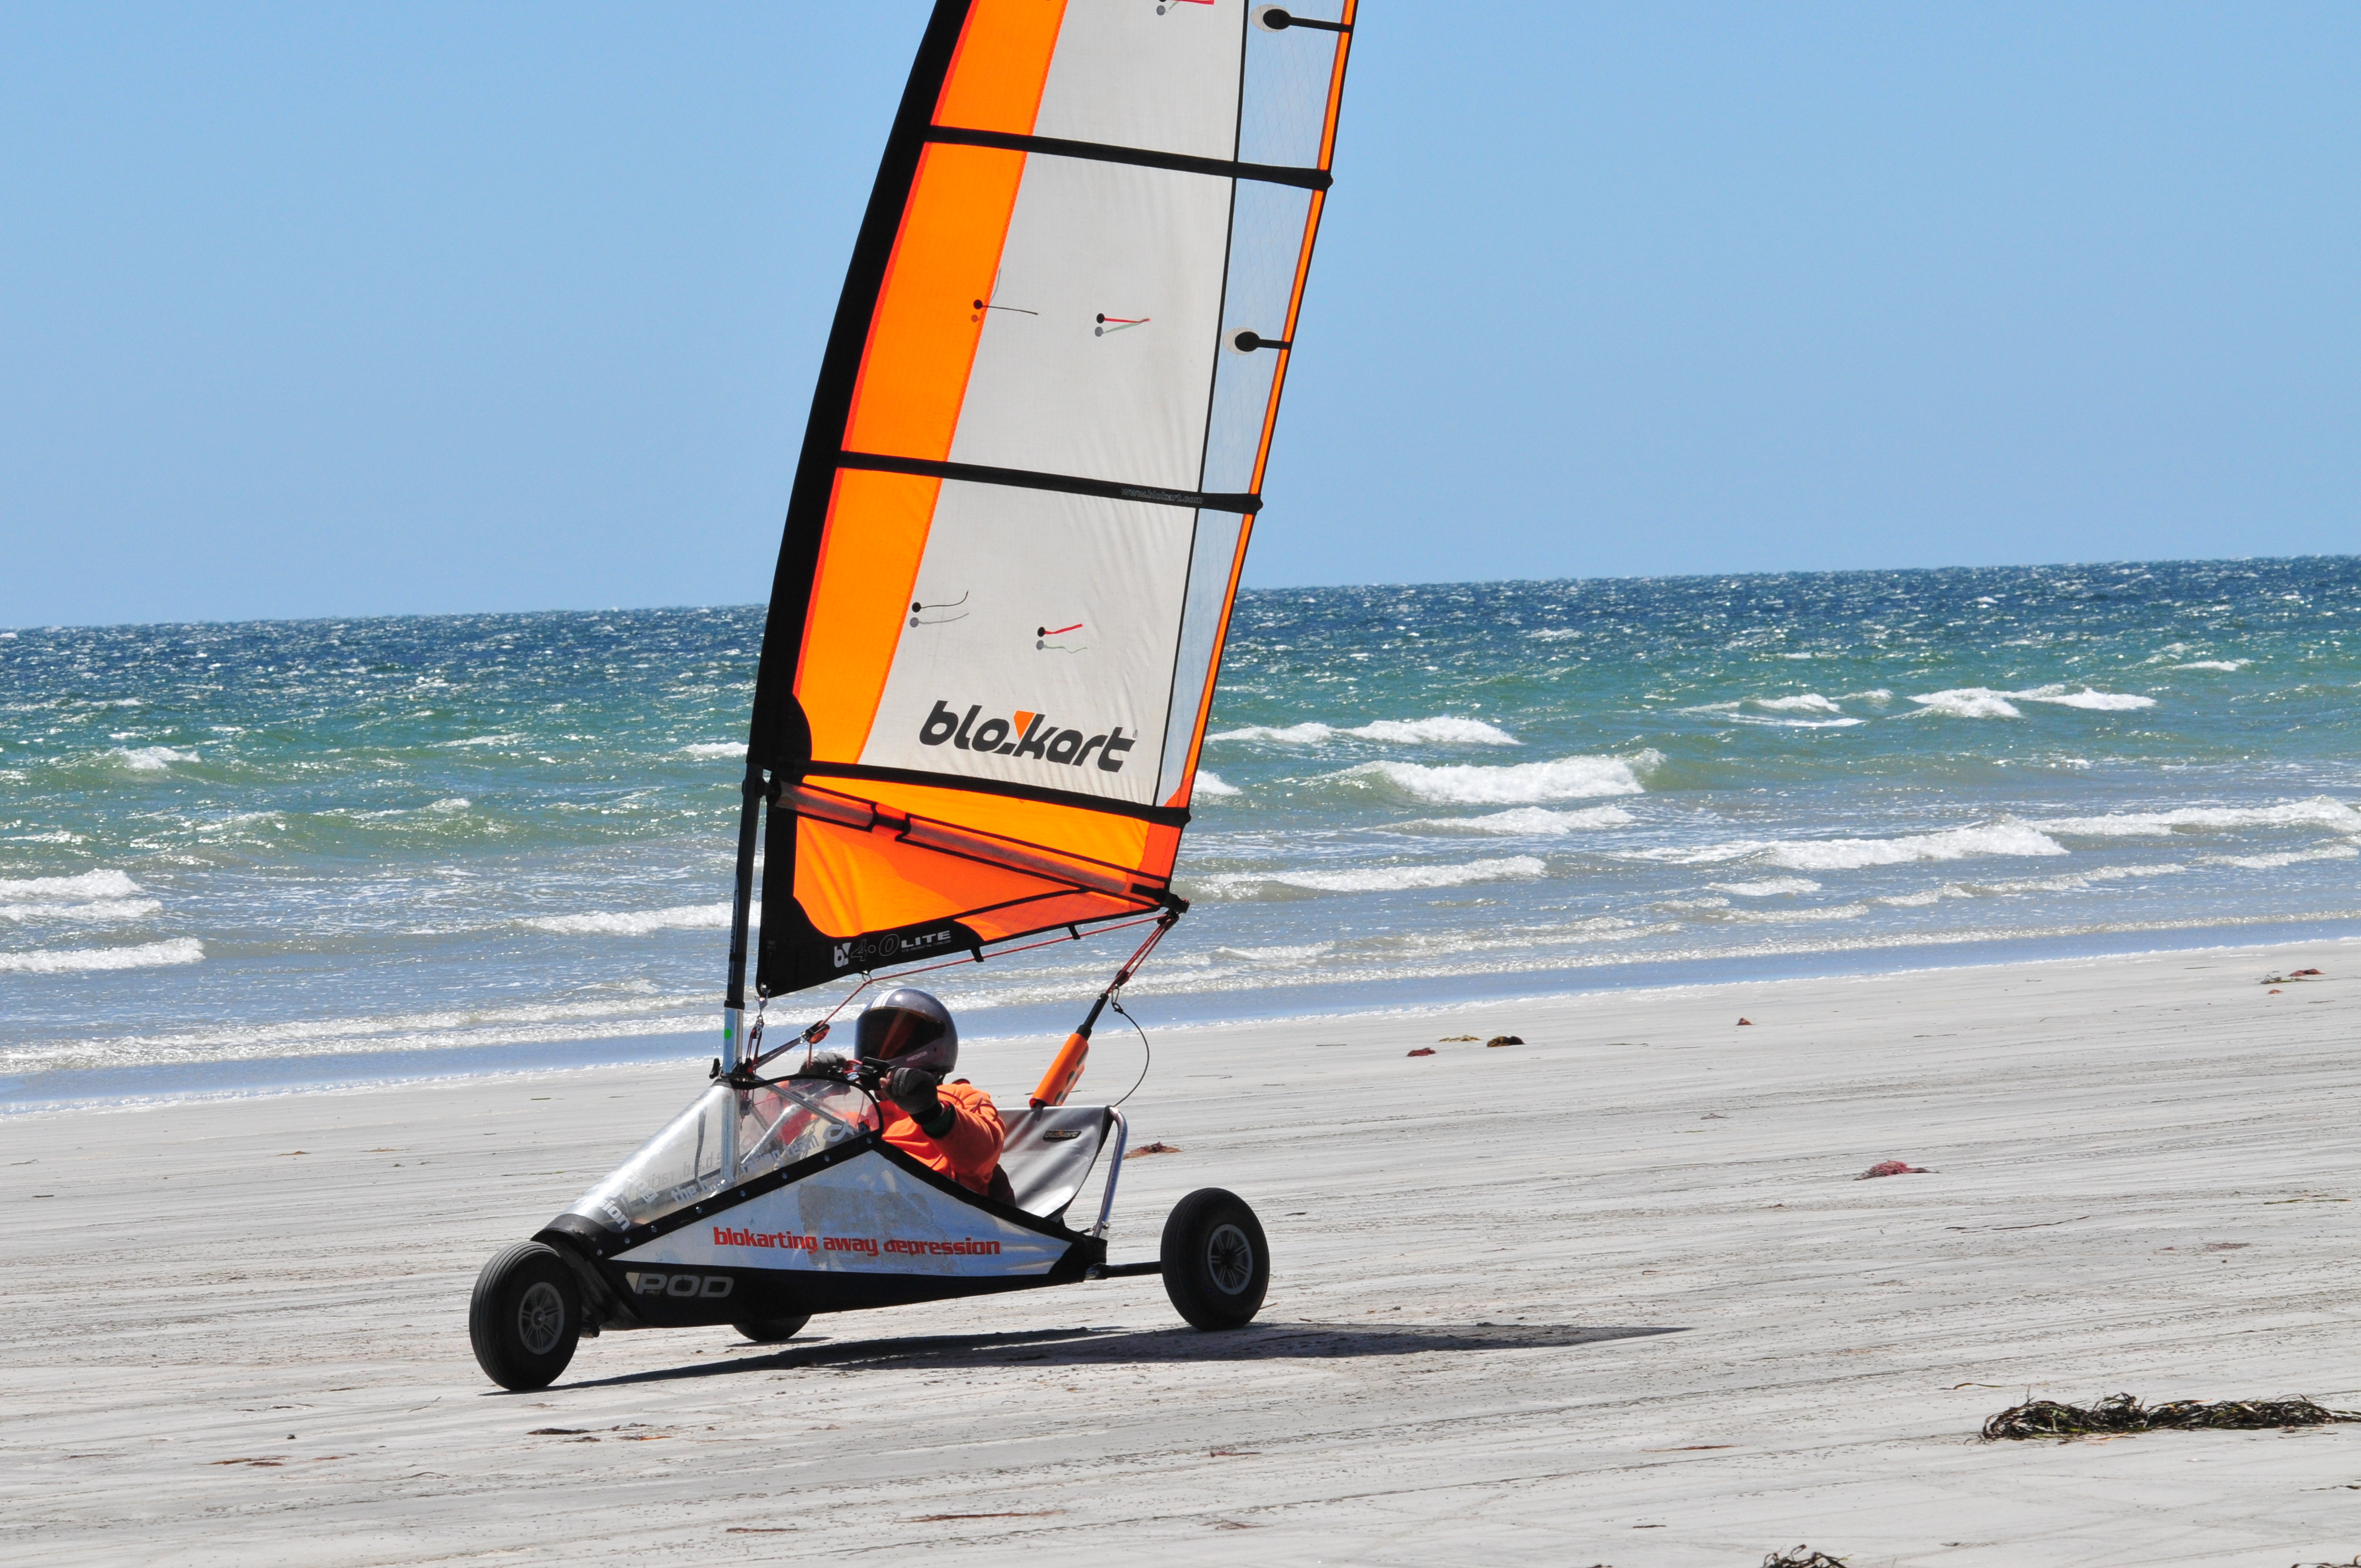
2123	1414
1802	1557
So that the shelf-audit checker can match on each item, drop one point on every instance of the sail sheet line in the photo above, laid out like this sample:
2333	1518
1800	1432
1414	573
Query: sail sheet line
1063	484
1140	157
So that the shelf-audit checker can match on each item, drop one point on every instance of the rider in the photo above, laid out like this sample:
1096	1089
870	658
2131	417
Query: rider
950	1128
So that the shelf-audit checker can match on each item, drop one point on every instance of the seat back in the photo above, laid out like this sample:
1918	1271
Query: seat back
1048	1154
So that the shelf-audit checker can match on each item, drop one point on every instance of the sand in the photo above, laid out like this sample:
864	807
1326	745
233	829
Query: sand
1611	1296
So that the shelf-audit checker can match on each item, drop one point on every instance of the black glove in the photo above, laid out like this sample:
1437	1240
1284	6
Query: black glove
913	1089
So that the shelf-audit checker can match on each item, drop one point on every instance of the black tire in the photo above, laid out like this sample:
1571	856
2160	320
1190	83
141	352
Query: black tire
773	1331
525	1317
1217	1263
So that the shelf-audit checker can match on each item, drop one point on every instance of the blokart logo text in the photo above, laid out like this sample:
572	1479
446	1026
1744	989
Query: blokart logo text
1025	735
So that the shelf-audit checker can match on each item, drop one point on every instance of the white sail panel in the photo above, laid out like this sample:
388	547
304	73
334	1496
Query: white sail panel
1147	73
1055	389
1061	607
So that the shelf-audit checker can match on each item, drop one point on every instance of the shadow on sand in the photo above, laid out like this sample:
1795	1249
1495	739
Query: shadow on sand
1084	1346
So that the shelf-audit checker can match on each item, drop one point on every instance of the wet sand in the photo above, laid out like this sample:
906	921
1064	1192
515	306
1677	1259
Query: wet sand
1610	1296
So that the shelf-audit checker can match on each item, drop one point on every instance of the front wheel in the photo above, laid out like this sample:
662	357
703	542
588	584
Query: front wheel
773	1331
1217	1263
525	1317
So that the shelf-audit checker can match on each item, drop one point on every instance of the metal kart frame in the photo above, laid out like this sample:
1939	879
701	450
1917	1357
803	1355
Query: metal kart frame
629	1279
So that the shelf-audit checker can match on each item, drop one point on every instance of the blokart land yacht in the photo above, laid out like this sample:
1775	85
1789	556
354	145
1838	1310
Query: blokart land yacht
1025	491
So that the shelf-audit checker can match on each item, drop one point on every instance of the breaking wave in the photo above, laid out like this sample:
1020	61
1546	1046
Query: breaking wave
636	922
1851	854
150	758
708	749
2320	811
1445	729
1517	783
89	884
1982	702
1767	888
84	960
1367	879
1213	785
1524	821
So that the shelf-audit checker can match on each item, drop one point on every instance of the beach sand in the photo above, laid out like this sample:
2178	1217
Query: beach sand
1611	1296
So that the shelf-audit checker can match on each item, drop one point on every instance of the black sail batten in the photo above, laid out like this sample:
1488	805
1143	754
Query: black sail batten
776	726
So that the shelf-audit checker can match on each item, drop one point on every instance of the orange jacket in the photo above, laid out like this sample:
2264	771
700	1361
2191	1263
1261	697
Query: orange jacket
970	1152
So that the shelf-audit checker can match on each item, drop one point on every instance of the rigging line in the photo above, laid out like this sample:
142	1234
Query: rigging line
1139	157
1067	484
1147	1052
813	1033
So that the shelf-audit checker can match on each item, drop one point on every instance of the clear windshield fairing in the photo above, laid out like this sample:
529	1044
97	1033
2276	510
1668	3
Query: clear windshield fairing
727	1136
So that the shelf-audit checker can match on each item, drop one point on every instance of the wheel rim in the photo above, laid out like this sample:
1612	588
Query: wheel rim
541	1317
1229	1259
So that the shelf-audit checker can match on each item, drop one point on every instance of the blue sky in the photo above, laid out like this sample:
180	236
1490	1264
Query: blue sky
318	310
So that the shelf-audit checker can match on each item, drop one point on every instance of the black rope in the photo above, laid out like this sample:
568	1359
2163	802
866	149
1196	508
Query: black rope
1148	1057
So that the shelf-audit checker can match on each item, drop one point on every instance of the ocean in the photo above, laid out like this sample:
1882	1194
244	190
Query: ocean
276	855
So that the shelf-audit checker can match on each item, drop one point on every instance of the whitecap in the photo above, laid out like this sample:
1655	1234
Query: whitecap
707	750
1851	854
482	741
1969	702
1368	879
1446	729
2103	702
1982	702
1553	634
636	922
1213	785
89	884
1525	821
1802	702
1767	888
2320	811
2232	666
1517	783
96	912
150	758
1308	734
2286	857
82	961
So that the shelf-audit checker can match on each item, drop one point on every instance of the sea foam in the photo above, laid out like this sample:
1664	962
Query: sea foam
1367	879
89	884
2320	811
1851	854
705	751
1517	783
636	922
150	758
84	960
1982	702
1211	786
1524	821
1445	729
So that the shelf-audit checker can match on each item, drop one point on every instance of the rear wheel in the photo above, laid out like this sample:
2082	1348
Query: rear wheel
1217	1263
773	1331
525	1317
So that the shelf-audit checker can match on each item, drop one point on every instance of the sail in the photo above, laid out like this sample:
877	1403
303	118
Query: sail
1032	466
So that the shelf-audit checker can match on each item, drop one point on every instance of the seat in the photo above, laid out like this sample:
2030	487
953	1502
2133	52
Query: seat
1047	1154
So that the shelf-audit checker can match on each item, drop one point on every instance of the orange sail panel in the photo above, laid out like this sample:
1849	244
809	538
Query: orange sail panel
1030	473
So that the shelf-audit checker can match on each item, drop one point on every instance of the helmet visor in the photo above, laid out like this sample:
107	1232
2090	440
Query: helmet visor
886	1034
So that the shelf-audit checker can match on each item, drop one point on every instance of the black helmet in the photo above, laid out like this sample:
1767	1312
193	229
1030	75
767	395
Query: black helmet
908	1028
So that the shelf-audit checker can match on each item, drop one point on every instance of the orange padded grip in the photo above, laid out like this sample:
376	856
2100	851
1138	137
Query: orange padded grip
1058	1081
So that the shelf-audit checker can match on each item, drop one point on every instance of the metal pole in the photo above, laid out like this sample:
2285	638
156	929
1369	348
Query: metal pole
733	1004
